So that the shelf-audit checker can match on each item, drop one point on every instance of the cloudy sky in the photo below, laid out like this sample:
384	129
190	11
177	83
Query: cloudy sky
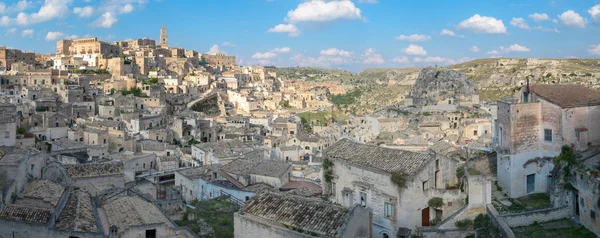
346	34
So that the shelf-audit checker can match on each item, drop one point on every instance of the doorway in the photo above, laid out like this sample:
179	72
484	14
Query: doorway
576	202
425	217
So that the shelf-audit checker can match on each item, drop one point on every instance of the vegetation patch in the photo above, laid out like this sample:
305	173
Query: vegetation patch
399	178
217	213
535	201
554	229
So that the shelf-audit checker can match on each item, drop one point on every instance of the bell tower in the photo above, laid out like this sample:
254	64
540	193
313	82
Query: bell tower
163	37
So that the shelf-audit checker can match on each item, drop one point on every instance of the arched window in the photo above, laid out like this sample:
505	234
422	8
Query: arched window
385	235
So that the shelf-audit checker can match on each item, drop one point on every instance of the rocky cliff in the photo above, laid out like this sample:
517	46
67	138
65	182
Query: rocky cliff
435	85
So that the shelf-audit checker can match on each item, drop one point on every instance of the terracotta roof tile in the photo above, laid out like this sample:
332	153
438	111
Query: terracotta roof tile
567	96
298	213
24	213
386	159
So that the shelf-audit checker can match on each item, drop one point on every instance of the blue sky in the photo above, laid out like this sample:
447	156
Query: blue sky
346	34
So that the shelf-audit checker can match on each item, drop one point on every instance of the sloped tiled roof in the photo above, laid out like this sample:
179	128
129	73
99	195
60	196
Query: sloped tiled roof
44	189
78	215
386	159
132	211
94	170
25	213
298	213
567	95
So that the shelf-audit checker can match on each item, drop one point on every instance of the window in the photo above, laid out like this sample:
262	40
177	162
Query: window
425	185
389	210
385	235
151	233
474	132
6	134
363	199
333	190
593	214
548	135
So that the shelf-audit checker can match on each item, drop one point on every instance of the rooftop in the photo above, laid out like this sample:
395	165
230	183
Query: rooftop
44	189
298	213
94	170
199	172
25	213
386	159
567	96
263	168
132	211
78	214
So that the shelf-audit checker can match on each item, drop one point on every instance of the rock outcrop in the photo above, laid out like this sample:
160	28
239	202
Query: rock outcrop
434	86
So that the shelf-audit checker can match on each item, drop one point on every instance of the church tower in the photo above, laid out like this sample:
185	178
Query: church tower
163	37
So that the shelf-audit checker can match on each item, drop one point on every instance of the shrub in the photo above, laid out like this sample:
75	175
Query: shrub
567	154
435	202
21	131
481	221
399	178
464	224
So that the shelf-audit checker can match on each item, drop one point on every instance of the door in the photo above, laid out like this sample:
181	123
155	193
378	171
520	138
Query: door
531	183
425	217
576	203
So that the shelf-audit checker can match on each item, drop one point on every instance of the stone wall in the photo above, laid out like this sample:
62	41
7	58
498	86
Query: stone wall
543	215
246	226
27	230
503	228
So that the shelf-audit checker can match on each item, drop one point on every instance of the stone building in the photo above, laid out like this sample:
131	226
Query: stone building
164	39
362	175
8	124
10	56
278	215
532	127
219	59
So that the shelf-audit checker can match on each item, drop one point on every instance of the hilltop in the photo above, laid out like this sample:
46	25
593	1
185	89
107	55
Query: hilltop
494	78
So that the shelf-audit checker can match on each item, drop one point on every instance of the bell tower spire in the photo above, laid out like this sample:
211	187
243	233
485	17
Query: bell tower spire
163	37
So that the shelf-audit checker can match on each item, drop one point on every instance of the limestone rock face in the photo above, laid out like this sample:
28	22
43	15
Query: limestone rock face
433	86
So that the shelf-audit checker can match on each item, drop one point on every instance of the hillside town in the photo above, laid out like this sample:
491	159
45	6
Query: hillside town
137	138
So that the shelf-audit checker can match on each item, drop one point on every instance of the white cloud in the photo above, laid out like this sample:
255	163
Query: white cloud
270	54
446	32
27	33
86	11
520	23
323	11
538	17
572	19
228	44
595	49
214	50
368	1
474	49
266	55
51	9
57	35
595	12
401	60
554	21
413	38
291	29
515	48
107	20
493	52
17	7
541	28
415	50
336	52
372	57
127	8
482	24
321	61
11	31
281	50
